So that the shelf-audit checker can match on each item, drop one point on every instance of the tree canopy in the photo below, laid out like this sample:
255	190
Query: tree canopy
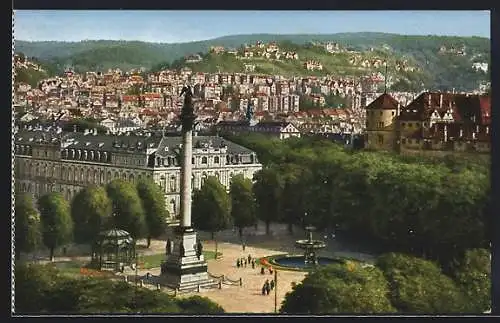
57	225
242	203
340	288
128	213
91	210
27	225
153	203
42	289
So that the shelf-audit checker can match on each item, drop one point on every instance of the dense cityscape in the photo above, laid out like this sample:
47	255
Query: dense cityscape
179	191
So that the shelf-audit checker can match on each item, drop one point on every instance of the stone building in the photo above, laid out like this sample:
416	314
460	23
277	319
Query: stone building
433	122
51	160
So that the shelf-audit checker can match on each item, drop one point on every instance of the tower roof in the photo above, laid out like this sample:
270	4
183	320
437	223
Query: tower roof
383	102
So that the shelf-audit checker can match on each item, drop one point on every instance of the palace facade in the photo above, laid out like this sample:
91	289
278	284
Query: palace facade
47	159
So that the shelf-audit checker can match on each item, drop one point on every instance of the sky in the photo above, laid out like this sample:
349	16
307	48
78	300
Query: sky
186	26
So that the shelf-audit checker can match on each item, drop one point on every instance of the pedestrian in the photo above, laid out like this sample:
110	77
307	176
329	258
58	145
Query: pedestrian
272	284
243	246
262	271
271	270
238	263
268	288
264	289
253	264
249	258
245	263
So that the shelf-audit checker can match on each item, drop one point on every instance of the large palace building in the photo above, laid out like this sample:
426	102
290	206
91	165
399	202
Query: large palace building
47	159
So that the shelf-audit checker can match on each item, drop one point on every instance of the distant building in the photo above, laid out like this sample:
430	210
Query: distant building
440	122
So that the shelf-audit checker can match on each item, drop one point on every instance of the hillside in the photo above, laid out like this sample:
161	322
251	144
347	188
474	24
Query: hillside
29	71
435	68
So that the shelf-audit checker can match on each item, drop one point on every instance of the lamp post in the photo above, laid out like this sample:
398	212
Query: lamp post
275	291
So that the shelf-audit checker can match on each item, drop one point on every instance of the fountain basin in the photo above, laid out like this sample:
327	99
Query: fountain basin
297	262
310	244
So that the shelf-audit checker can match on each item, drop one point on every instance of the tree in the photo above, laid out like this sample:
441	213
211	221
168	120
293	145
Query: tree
57	225
473	276
339	288
153	203
211	208
242	203
419	286
91	210
128	213
33	283
268	188
199	305
28	227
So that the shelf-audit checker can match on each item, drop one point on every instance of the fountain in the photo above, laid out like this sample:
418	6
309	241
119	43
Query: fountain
310	247
309	259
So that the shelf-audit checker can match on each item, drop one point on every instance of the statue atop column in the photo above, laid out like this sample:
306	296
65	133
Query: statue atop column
187	113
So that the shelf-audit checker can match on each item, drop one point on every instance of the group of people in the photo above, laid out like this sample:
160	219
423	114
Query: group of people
268	286
244	262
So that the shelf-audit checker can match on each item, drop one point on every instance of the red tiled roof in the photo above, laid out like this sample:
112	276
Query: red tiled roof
384	102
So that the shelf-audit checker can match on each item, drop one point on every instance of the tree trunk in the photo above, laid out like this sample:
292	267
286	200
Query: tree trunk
51	254
213	235
149	242
240	231
290	228
268	227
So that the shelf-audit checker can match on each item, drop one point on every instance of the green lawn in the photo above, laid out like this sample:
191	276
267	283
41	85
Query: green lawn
154	261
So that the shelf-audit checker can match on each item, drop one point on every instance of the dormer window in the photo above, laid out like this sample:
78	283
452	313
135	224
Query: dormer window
204	160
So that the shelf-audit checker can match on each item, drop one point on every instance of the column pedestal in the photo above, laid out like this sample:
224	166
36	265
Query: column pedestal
185	271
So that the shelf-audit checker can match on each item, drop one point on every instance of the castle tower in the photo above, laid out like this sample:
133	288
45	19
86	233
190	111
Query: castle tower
381	116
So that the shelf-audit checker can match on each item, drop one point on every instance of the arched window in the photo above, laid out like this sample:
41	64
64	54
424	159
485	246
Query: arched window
131	177
173	184
228	159
72	153
124	176
204	160
85	155
139	177
79	154
203	178
117	175
217	175
216	159
108	178
96	174
63	173
70	174
162	182
173	207
82	175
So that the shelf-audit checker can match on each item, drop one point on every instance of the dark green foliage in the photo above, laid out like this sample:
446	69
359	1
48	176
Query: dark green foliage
91	210
128	213
28	226
57	225
242	203
153	203
340	288
473	276
419	286
199	305
41	289
211	206
431	207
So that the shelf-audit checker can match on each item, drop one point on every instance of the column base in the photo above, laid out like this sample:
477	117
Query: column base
185	271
